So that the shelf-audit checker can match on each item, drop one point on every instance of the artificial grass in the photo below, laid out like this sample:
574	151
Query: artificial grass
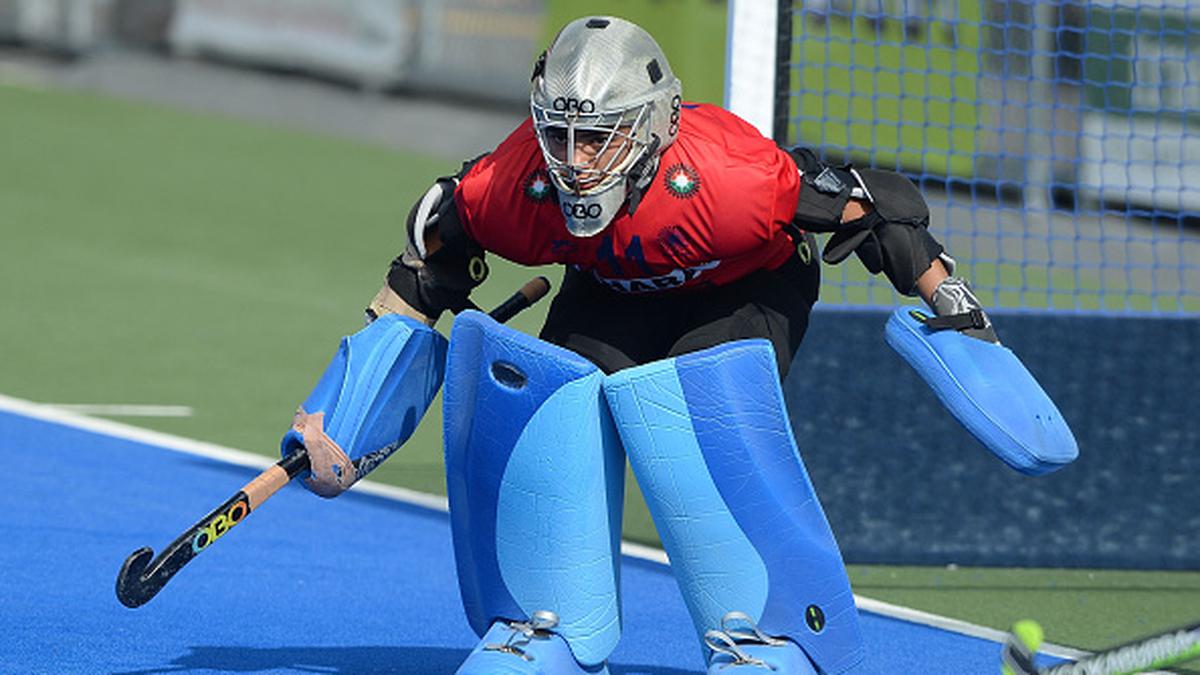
158	256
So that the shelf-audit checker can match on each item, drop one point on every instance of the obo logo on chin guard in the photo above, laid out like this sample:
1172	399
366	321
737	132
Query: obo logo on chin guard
581	210
217	527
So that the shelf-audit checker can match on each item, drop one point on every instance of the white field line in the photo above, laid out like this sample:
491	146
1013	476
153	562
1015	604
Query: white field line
956	626
125	409
124	431
439	503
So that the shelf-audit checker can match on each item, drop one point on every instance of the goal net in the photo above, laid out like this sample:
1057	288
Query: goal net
1058	143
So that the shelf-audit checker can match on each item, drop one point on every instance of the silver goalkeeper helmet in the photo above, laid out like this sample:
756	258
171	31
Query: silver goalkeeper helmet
605	105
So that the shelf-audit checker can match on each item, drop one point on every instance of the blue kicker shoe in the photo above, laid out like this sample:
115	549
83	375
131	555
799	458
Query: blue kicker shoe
738	651
525	648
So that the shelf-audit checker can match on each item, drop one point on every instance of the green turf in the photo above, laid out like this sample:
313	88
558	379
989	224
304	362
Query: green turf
163	257
156	256
1087	609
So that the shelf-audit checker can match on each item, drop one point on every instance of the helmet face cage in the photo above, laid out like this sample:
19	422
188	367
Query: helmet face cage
612	143
604	104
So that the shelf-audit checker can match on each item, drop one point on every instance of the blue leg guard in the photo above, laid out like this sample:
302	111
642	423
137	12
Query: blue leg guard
535	476
709	440
368	402
990	391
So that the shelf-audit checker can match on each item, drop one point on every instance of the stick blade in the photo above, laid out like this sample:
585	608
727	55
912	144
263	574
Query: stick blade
132	590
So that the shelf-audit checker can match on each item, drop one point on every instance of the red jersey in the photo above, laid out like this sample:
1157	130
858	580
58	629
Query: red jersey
715	212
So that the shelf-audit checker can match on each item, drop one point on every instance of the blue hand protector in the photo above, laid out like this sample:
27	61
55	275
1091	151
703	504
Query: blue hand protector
710	443
368	402
987	388
535	477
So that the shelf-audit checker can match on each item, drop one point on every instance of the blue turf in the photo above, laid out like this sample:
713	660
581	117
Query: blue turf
360	584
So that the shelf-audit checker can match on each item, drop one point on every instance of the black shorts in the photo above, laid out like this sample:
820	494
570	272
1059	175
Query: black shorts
617	330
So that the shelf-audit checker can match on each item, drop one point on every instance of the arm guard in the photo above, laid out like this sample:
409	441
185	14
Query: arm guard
442	264
824	192
892	238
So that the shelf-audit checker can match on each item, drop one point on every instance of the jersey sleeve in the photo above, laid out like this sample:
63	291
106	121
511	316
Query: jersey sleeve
504	200
758	181
779	171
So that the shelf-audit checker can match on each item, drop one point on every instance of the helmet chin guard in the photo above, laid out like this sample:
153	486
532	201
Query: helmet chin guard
587	215
605	104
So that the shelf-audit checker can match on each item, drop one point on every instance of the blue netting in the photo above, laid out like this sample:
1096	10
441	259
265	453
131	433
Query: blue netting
1058	143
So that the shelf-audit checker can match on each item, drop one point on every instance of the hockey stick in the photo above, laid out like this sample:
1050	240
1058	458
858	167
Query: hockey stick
142	575
1171	648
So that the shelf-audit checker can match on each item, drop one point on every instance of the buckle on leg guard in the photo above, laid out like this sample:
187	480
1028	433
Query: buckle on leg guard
523	632
728	640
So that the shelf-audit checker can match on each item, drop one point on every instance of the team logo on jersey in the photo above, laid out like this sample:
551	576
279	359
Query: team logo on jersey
537	185
681	180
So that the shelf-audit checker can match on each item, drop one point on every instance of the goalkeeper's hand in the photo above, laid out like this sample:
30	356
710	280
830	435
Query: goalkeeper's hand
954	303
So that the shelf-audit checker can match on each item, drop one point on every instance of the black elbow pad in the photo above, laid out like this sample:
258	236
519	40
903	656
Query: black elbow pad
893	238
824	192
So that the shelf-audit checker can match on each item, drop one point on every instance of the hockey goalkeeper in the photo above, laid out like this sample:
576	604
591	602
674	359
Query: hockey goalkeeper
691	269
